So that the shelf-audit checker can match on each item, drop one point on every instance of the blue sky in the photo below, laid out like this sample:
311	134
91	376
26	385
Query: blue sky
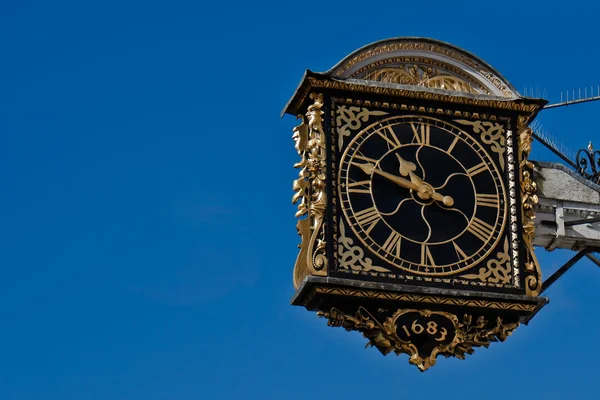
148	235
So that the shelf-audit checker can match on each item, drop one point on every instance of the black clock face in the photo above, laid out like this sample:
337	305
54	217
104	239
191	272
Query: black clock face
422	195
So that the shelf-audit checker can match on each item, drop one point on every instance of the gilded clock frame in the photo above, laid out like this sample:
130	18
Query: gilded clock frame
500	272
311	145
501	220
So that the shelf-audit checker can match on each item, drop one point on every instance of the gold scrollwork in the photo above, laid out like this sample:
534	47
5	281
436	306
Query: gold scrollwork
315	82
301	184
351	118
383	335
418	75
417	298
311	192
491	134
317	166
416	357
382	49
301	189
480	333
497	270
352	257
322	82
529	200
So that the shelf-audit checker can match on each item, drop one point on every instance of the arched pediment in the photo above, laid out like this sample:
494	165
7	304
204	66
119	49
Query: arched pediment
426	63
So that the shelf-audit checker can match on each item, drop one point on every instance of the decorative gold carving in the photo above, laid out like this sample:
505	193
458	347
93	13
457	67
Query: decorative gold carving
427	47
491	134
311	192
317	168
301	184
301	187
406	107
352	118
480	333
416	298
352	257
446	68
510	105
497	270
384	336
398	346
529	200
419	75
322	82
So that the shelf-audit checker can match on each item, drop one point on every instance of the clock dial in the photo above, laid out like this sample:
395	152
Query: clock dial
422	194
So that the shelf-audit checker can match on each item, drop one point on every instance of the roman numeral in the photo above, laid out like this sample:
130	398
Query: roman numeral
426	257
480	229
359	187
477	169
453	144
459	252
488	200
392	139
368	217
393	244
422	132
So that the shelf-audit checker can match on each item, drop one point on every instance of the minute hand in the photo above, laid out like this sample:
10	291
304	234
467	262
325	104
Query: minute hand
424	190
396	179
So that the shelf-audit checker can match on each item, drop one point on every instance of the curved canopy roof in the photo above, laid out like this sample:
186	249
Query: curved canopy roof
418	68
426	63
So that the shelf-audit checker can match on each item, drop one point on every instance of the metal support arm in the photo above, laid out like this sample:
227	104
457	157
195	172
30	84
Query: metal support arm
561	271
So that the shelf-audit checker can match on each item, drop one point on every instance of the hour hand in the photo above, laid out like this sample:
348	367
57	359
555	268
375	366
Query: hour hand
408	168
366	167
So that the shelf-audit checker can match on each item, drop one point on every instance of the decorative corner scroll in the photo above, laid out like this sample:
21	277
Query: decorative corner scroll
353	257
492	134
588	163
310	192
497	270
422	334
529	200
351	118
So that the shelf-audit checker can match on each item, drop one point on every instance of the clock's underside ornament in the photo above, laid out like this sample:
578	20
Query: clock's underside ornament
416	199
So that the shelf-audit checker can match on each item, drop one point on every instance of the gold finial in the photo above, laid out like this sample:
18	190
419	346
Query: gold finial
590	147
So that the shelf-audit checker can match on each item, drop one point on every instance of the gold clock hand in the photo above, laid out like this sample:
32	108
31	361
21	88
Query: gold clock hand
423	190
407	168
369	169
427	191
447	200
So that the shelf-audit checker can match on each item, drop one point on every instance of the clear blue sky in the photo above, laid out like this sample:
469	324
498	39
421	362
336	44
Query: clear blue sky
147	235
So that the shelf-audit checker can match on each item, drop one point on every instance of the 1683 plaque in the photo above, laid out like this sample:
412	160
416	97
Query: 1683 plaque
430	331
425	328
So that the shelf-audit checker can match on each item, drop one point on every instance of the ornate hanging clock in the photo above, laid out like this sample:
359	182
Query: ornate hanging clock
415	199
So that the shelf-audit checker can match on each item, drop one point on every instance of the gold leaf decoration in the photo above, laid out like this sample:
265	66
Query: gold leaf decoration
529	200
383	335
497	270
417	298
353	257
351	118
317	167
310	192
491	134
416	75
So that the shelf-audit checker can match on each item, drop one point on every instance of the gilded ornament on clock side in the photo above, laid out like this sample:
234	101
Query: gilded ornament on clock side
311	193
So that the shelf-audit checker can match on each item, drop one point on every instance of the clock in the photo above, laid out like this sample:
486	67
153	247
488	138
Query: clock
422	195
416	199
